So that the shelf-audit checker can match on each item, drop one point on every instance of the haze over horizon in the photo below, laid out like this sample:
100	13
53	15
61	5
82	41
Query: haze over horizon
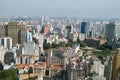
61	8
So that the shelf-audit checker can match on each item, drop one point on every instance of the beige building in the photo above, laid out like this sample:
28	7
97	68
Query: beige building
2	30
56	57
39	69
2	53
76	69
116	65
16	31
25	59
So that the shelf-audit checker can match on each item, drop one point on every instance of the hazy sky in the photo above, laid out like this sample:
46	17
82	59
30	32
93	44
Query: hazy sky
61	8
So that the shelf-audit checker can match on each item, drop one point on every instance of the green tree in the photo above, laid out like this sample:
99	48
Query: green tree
103	53
83	44
104	46
46	46
55	45
10	74
69	45
62	43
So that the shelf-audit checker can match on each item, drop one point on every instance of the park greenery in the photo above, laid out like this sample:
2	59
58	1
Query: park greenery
61	44
102	54
105	48
90	43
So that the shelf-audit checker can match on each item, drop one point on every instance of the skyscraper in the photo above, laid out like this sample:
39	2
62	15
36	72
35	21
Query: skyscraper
112	33
69	29
116	65
109	32
83	27
117	30
16	31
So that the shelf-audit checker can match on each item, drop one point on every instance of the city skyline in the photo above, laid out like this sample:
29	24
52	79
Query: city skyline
53	47
61	8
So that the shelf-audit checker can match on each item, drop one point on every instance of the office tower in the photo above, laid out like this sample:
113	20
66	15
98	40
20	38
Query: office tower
116	66
69	29
112	33
6	42
83	27
16	31
109	32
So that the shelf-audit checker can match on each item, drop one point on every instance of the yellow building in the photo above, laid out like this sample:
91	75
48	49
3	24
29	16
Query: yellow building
116	65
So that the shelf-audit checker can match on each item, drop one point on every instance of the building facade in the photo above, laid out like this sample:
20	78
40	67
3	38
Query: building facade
6	42
112	33
116	65
16	31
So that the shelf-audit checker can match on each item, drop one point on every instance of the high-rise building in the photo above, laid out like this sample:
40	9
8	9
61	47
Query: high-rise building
73	36
2	53
81	36
109	32
16	31
76	70
116	65
2	31
117	30
9	57
112	33
38	38
98	68
83	27
69	29
28	42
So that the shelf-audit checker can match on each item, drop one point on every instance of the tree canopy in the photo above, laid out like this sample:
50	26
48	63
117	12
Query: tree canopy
10	74
103	53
